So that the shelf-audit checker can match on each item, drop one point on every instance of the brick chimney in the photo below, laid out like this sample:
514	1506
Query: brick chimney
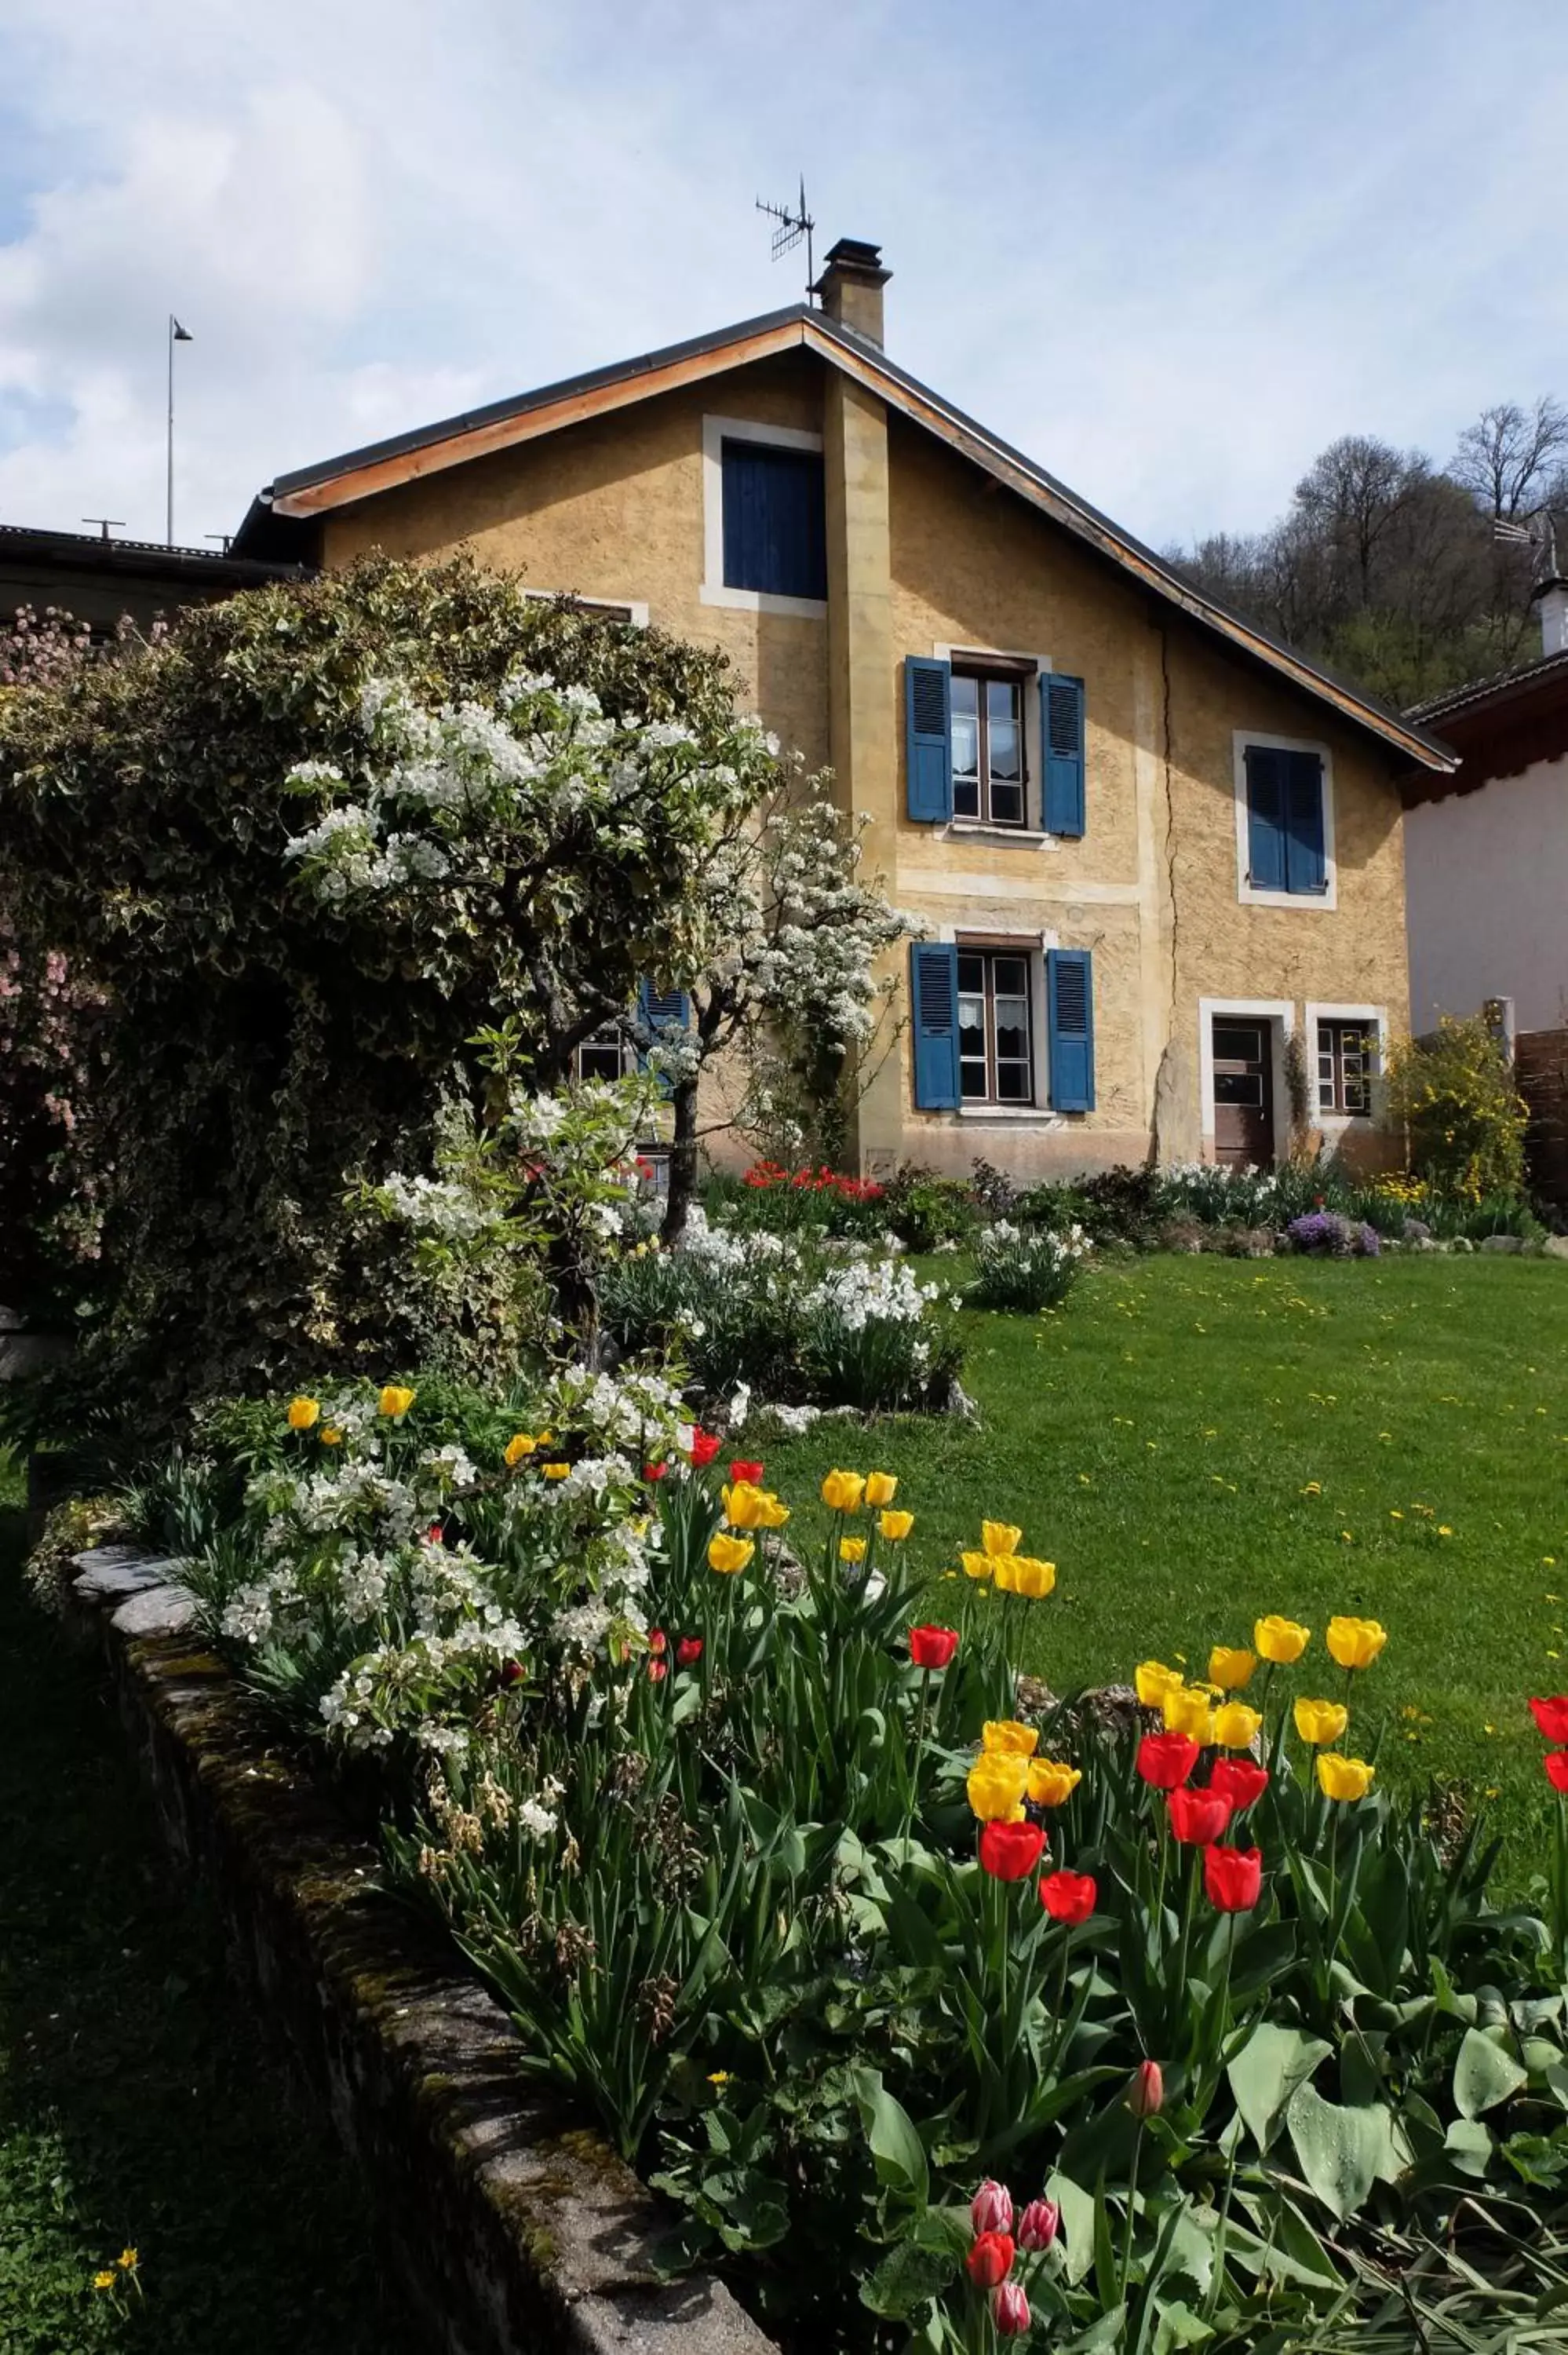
1552	599
851	287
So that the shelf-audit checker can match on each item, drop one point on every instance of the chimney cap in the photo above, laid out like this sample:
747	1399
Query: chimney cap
853	257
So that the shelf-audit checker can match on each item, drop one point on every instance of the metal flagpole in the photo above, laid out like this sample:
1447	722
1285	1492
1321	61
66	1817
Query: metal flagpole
178	335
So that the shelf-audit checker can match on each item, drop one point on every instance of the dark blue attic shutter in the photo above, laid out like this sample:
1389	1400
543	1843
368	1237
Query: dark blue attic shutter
1062	753
927	739
660	1009
1305	859
775	520
1265	819
1070	1021
934	995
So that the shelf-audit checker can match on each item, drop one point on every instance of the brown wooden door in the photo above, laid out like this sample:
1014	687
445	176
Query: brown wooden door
1243	1091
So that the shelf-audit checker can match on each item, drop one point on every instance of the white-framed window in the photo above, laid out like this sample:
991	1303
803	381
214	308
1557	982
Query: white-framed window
1284	821
1348	1046
763	518
989	738
604	1054
996	1025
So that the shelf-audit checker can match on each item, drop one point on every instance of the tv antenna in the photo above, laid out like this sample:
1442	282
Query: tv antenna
1538	532
794	223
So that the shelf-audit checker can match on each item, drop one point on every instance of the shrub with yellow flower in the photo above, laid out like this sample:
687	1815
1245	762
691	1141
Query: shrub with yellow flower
1344	1778
1355	1643
1280	1641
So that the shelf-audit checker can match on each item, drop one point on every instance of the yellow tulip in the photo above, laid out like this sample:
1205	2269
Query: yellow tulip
895	1527
395	1401
1003	1737
1031	1577
1230	1669
1000	1536
744	1506
303	1413
1004	1571
881	1488
977	1565
852	1548
557	1471
843	1491
996	1785
774	1514
728	1554
521	1443
1319	1722
1154	1681
1355	1643
1236	1725
1344	1778
1052	1783
1281	1640
330	1437
1186	1710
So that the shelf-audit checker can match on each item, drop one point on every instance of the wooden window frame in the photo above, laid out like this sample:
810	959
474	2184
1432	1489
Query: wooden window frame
1001	671
599	1040
1338	1028
987	957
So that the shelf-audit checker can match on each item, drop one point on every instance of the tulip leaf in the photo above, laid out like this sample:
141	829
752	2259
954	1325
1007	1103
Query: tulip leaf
1342	2151
896	2150
1484	2075
1469	2144
1078	2242
1180	2327
1267	2072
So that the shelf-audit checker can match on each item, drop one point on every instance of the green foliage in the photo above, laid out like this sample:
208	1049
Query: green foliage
1023	1270
925	1211
1455	1092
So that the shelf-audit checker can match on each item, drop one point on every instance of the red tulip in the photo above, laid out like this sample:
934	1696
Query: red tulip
932	1647
750	1473
1231	1878
1239	1780
1197	1817
1556	1764
433	1534
656	1639
990	2210
705	1447
1146	2095
1068	1896
1010	1851
1165	1760
1552	1717
1010	2311
654	1471
512	1672
990	2260
657	1671
1038	2226
688	1651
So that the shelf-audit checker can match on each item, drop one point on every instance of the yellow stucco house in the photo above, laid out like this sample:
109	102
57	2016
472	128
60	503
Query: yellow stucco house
1158	856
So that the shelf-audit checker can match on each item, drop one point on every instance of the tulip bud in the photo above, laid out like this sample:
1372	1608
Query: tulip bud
1038	2224
990	2259
511	1672
1010	2310
1146	2093
990	2210
688	1651
657	1671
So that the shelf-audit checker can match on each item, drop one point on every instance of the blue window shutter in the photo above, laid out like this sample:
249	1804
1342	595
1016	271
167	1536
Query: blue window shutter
1265	819
775	520
1070	1020
934	996
1306	861
660	1009
927	739
1062	753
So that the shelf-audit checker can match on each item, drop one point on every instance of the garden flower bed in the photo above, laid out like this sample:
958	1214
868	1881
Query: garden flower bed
830	1917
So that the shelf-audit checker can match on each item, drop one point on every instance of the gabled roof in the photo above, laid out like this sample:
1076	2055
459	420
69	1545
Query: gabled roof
1500	727
312	491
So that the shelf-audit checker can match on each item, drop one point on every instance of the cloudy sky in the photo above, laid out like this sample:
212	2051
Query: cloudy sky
1169	249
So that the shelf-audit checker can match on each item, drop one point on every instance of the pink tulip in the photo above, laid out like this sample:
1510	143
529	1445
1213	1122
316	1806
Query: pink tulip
990	2210
1010	2310
1038	2224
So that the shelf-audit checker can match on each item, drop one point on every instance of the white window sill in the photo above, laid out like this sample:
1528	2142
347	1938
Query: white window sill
1321	901
1332	1123
1039	1114
763	601
981	830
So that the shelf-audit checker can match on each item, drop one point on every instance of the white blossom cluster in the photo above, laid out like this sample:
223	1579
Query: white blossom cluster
864	1291
441	1206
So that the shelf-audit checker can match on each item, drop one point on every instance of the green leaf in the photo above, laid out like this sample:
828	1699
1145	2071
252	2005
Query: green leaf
1342	2150
895	2148
907	2275
1267	2072
1469	2144
1078	2242
1180	2327
1484	2075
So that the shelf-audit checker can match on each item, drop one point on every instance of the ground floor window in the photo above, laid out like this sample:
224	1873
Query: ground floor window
1347	1061
996	1057
602	1054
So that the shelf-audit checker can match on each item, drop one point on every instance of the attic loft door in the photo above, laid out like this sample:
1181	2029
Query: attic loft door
1243	1091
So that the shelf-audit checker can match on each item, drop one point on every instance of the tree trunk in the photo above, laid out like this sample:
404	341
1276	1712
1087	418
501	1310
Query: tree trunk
683	1159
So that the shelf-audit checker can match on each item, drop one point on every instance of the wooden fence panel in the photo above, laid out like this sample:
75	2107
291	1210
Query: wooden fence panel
1541	1069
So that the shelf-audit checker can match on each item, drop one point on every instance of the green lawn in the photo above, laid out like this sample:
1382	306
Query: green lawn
1197	1441
136	2108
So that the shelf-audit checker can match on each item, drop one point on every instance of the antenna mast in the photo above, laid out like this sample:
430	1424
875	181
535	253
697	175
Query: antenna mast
794	223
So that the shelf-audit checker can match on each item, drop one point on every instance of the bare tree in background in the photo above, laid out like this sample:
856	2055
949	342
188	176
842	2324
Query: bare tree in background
1513	460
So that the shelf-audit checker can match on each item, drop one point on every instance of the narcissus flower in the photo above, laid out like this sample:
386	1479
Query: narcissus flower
1154	1681
1344	1778
1236	1725
1552	1717
852	1548
1320	1722
1005	1736
729	1554
990	2210
1197	1817
1281	1640
1556	1764
304	1414
1355	1643
1187	1708
1239	1780
1165	1760
843	1491
1010	2310
1052	1782
989	2261
521	1443
688	1651
1229	1669
894	1526
932	1647
881	1488
395	1401
704	1448
1233	1878
1000	1536
1040	2220
1010	1851
1067	1897
750	1473
1145	2095
996	1784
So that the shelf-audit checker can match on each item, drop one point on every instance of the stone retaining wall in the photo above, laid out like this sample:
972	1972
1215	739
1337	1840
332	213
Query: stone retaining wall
513	2226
